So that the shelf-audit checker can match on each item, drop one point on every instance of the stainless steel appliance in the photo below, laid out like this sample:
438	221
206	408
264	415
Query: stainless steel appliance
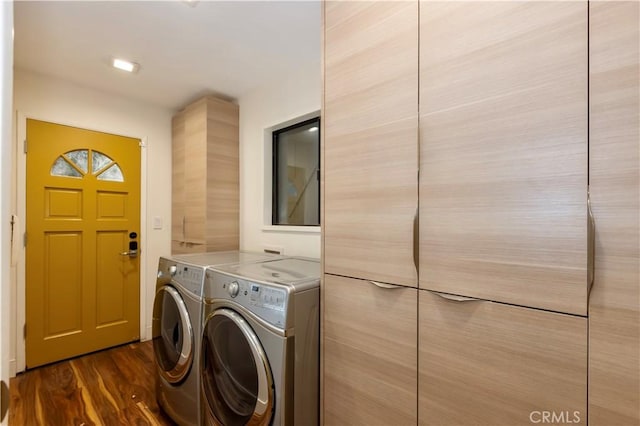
177	322
259	359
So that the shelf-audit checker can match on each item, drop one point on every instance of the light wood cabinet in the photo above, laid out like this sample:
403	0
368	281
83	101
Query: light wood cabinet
521	109
614	307
370	139
205	177
503	152
370	353
485	363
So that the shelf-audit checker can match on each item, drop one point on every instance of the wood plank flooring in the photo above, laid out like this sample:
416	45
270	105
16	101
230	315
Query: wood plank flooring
111	387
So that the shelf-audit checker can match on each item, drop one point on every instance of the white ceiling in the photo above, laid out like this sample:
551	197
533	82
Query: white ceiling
222	47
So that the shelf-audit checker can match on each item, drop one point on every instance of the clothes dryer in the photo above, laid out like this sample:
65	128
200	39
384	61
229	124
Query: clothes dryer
260	348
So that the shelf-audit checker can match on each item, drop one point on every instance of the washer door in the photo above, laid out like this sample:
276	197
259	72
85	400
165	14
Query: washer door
172	335
237	384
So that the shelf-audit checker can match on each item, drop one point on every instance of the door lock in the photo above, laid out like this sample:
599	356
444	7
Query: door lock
130	253
133	248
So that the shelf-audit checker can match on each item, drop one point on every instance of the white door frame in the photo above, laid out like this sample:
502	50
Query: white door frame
6	84
19	364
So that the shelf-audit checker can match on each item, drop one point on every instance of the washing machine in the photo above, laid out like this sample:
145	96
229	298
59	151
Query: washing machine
260	344
176	328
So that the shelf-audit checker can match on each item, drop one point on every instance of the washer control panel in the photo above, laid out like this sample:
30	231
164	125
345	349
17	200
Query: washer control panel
267	297
189	277
267	301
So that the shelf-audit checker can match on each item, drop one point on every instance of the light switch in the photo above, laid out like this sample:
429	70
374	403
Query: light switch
157	222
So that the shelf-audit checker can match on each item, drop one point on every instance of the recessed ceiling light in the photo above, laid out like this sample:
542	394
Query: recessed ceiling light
191	3
313	129
124	65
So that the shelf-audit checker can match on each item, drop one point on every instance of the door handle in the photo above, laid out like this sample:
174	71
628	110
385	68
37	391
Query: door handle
455	298
383	285
130	253
416	240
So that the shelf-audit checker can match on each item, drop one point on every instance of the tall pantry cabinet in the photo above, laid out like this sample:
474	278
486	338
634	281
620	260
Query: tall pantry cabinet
205	177
490	100
370	121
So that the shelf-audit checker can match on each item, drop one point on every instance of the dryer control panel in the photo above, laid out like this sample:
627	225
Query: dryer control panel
268	301
189	277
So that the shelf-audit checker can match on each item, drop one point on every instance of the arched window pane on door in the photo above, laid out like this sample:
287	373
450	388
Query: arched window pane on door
76	164
62	168
113	174
80	158
99	161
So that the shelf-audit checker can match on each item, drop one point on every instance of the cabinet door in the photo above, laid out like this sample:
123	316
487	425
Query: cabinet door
614	310
370	139
503	151
195	182
485	363
223	176
177	180
370	353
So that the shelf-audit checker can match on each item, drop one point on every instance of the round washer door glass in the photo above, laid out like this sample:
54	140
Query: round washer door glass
172	335
236	378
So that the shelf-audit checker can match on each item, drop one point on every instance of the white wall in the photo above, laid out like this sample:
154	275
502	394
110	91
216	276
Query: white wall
6	72
40	97
292	97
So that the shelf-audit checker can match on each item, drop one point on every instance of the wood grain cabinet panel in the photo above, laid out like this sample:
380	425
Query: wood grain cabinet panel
205	177
178	164
486	363
370	139
503	152
614	306
370	353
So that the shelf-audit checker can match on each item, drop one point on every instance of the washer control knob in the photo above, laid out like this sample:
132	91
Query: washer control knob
173	270
233	288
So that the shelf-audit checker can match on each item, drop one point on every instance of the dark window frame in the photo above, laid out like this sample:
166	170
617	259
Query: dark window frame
275	165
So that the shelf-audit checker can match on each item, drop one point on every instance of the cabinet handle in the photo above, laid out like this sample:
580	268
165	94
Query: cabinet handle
591	243
383	285
416	239
455	298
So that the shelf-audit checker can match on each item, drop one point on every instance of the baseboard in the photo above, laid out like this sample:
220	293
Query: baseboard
13	367
147	334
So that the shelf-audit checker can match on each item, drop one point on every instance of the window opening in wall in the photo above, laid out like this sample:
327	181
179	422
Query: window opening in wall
296	174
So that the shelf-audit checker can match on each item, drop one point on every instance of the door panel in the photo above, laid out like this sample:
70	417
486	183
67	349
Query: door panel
178	163
614	305
485	363
195	174
83	200
111	283
370	140
503	152
62	286
370	353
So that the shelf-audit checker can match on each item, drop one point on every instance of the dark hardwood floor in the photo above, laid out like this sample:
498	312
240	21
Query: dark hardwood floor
111	387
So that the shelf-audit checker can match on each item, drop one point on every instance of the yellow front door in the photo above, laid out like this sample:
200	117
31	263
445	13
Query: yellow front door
83	216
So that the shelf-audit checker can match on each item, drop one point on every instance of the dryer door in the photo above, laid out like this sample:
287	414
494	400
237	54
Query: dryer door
172	335
237	384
